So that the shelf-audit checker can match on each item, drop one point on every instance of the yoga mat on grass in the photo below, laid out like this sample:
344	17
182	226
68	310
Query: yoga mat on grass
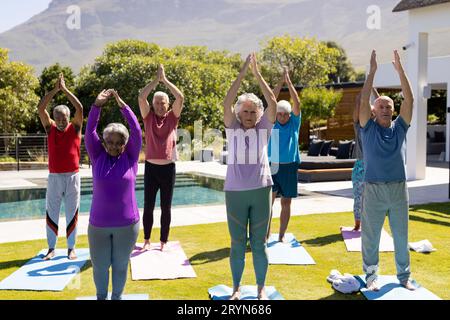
171	263
124	297
223	292
288	252
49	275
391	289
352	240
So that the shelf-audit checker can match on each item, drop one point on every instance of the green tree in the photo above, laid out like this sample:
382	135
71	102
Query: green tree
360	75
319	104
47	81
344	69
309	60
203	76
18	100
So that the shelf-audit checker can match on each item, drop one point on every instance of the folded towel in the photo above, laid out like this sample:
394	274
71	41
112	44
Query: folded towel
423	246
345	283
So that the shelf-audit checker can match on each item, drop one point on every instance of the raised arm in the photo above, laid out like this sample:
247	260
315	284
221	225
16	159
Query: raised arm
228	114
91	139
144	106
356	108
277	89
406	108
271	111
375	93
296	107
78	117
42	108
134	143
364	108
177	105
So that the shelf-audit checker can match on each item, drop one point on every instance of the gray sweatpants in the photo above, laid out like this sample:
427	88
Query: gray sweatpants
62	186
381	199
111	247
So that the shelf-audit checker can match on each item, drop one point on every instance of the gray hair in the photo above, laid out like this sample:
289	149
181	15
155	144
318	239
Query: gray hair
63	109
162	95
284	106
248	97
116	128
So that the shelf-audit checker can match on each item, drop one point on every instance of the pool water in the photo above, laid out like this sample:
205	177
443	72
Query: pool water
30	203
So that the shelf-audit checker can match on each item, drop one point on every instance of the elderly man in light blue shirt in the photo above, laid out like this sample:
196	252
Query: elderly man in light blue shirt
283	152
386	192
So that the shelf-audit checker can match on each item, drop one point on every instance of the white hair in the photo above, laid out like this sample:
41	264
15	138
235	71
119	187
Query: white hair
253	99
162	95
63	109
116	128
284	106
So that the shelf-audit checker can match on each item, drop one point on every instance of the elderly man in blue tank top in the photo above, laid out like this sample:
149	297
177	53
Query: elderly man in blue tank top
385	193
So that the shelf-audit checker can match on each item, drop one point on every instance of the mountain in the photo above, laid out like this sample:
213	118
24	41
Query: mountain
238	26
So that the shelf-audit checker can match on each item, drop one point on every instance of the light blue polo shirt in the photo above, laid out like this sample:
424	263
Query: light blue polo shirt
384	151
286	151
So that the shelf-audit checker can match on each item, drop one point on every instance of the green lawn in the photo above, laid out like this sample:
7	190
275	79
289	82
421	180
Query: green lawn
207	247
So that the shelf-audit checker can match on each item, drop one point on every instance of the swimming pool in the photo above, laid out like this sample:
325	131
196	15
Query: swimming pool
190	190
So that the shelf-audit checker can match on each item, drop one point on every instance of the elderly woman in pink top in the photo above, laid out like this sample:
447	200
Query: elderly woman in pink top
248	181
160	152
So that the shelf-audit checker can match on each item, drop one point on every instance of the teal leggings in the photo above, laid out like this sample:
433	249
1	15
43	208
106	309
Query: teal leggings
248	208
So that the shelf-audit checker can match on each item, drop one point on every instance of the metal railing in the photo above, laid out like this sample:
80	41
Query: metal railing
29	148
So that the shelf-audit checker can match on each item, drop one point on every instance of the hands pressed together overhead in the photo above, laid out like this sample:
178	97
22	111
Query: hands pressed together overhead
104	95
161	74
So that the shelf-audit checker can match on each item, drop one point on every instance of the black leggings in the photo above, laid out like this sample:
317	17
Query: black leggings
158	177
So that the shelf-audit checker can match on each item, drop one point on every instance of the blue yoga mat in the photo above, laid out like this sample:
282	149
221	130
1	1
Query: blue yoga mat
288	252
223	292
390	289
143	296
50	275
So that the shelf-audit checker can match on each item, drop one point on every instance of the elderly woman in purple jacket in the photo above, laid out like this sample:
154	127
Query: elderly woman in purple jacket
114	216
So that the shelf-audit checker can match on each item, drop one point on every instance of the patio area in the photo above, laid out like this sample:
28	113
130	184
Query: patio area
319	197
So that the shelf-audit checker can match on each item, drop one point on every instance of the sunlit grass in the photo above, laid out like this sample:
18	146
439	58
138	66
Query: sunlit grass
207	247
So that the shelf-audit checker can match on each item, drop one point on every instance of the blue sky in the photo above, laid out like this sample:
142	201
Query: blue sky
14	12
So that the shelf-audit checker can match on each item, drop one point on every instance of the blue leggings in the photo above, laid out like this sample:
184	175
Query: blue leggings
358	188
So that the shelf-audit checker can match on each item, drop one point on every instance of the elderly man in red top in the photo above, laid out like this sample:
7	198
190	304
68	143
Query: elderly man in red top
64	140
160	152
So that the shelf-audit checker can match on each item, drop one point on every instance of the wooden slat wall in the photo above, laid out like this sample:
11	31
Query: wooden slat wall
340	127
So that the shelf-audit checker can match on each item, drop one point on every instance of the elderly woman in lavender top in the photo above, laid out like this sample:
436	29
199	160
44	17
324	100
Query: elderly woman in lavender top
248	180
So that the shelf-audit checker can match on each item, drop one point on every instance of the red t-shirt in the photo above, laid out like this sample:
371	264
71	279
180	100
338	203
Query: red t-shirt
161	136
63	149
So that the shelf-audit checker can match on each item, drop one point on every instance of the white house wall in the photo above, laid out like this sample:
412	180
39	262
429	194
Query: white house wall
430	19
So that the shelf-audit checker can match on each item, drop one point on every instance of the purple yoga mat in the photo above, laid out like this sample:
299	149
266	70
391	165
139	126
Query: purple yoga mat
171	263
352	240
